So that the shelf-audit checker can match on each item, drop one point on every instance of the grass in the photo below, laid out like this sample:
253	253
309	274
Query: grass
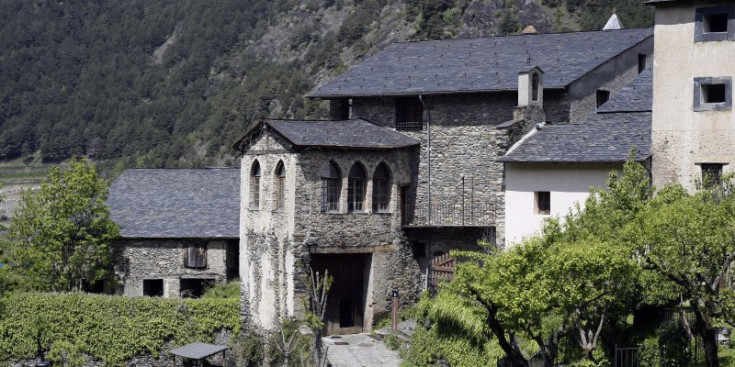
230	289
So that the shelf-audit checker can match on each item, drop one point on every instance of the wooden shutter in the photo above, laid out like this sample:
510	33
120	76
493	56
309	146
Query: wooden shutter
195	255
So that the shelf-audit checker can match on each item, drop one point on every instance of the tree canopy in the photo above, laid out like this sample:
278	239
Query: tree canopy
60	235
628	247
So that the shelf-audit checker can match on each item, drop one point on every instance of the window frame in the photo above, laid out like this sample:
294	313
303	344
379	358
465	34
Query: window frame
539	201
356	188
381	189
700	17
331	187
280	187
409	109
255	174
707	169
699	104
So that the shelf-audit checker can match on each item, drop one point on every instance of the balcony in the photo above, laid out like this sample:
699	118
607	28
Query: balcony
449	214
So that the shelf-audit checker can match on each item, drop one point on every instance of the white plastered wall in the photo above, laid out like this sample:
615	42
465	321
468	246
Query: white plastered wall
567	183
681	137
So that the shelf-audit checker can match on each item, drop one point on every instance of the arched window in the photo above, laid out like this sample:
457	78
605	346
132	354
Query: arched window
356	189
331	187
381	189
255	186
280	191
534	87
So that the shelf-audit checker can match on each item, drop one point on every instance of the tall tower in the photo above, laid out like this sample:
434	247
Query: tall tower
693	130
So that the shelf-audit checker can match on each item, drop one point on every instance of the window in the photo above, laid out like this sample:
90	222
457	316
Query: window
642	61
280	191
602	97
195	255
255	186
331	187
153	287
715	23
543	202
356	189
339	109
409	114
381	189
711	174
534	87
712	94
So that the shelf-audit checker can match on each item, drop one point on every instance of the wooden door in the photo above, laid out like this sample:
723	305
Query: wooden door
346	298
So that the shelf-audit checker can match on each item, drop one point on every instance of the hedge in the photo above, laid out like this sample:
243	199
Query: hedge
110	328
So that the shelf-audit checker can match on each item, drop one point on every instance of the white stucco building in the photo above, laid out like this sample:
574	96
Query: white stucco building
554	166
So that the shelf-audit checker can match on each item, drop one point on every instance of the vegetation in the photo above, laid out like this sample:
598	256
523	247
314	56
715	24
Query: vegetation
60	236
560	293
174	84
66	328
228	290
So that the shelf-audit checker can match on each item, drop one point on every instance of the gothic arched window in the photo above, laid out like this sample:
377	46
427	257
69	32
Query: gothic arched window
381	188
331	187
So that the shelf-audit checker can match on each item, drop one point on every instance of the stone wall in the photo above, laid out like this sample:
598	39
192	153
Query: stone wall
610	75
275	241
465	146
139	259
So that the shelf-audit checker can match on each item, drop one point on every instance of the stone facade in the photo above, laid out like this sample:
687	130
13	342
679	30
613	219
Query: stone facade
154	259
274	241
446	193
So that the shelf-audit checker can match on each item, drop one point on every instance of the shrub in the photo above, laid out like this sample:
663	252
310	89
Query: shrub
110	328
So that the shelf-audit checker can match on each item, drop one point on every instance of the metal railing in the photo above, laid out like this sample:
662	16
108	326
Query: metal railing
410	126
470	214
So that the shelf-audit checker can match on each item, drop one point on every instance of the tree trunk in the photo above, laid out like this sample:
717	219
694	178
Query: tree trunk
709	337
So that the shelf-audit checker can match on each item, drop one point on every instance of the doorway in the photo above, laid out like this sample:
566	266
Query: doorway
347	297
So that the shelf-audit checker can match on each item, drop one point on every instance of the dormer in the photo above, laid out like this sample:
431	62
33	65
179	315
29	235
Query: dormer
531	87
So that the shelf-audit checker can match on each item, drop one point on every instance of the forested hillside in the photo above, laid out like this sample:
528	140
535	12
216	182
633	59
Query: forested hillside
158	83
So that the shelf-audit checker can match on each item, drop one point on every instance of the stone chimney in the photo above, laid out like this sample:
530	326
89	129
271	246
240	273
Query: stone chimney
530	95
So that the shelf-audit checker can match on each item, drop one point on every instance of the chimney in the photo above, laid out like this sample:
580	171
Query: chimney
531	87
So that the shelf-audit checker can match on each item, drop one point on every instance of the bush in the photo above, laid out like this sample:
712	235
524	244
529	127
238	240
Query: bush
674	343
229	290
110	328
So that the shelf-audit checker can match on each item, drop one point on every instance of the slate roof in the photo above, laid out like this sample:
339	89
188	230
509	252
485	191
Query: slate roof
622	122
608	139
357	133
481	64
177	203
634	97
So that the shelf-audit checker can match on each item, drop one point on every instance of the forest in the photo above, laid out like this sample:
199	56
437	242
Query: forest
153	83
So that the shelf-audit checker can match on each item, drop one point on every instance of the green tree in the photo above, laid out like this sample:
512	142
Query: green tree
688	239
60	236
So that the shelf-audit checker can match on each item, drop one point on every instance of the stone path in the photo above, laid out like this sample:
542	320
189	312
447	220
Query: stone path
359	350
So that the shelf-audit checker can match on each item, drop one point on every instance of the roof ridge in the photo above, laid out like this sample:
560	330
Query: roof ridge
514	35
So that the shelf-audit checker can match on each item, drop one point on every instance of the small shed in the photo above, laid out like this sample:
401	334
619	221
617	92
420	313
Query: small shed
197	352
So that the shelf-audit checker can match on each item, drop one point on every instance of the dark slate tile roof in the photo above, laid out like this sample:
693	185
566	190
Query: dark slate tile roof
177	203
635	97
605	138
621	122
358	133
481	64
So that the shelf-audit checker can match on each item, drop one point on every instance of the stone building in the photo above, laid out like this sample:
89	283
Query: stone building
457	106
179	229
693	130
553	167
